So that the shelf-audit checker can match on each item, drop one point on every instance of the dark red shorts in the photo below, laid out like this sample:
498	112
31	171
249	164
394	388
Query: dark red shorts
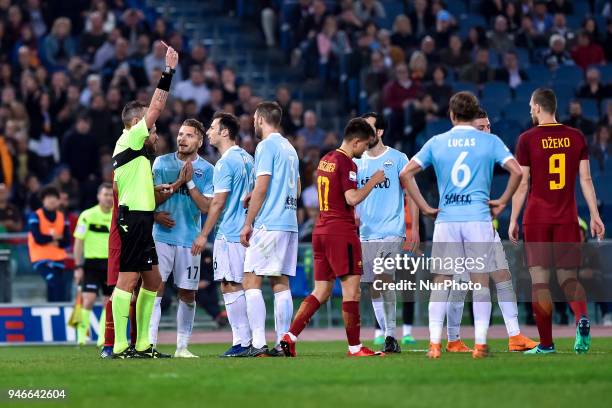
336	256
553	245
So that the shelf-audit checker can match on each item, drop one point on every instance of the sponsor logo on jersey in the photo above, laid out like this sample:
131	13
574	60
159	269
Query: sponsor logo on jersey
457	199
291	203
384	184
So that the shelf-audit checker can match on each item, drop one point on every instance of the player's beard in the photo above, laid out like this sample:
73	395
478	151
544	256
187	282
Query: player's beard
535	120
150	148
258	132
374	142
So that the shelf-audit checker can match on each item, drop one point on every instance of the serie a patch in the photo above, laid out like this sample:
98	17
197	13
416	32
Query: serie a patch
352	176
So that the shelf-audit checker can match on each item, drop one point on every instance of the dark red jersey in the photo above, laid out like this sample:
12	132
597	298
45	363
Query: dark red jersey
336	174
553	152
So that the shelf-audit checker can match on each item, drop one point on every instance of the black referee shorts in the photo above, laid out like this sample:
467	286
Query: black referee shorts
137	246
94	276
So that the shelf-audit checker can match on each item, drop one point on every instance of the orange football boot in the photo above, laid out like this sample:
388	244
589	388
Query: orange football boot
365	352
521	343
480	351
435	349
457	346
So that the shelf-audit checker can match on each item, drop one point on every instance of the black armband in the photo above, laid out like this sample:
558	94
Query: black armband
164	81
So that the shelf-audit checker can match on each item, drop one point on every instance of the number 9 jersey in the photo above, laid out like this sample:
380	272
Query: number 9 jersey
553	152
463	159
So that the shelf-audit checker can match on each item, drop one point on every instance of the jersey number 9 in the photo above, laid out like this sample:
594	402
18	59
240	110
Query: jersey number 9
556	165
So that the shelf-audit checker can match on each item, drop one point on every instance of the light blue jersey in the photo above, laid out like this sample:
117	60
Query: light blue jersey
182	209
234	175
463	159
382	212
276	157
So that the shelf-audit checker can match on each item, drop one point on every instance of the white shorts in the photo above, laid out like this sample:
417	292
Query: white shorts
466	247
272	253
384	248
228	261
178	261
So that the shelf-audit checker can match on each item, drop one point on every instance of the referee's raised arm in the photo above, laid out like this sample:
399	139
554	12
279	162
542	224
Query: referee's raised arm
158	100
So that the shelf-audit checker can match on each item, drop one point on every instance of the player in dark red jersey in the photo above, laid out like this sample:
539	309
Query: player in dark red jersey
335	243
551	156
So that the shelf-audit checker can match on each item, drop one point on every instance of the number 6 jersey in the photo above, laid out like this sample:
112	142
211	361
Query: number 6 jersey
463	159
336	174
553	152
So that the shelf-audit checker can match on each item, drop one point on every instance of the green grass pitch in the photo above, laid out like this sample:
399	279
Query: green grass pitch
321	376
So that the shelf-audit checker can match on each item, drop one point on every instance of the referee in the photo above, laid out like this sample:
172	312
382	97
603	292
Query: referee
91	257
134	181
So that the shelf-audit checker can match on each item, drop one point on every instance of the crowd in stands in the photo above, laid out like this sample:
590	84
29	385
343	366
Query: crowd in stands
68	68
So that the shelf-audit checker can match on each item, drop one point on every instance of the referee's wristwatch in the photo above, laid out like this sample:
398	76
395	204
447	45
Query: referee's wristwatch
169	70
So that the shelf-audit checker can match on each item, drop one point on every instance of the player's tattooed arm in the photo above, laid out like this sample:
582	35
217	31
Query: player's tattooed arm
518	200
157	105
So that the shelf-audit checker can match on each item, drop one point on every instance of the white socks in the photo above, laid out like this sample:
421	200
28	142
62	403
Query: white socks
256	312
283	312
482	314
454	313
437	312
507	303
184	323
407	330
379	312
389	304
155	317
235	305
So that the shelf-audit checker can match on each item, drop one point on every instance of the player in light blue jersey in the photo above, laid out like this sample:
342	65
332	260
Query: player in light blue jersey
233	181
177	223
463	159
382	228
506	297
272	242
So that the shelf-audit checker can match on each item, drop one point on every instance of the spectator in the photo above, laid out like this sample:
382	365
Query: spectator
347	18
562	7
607	117
513	15
423	110
133	24
228	85
374	79
331	46
10	218
368	10
129	66
479	72
215	104
242	105
542	20
7	169
58	47
312	23
556	55
36	17
586	52
454	56
418	66
246	130
401	91
607	40
511	73
68	188
428	47
160	30
499	38
103	133
49	236
108	17
156	59
402	34
560	27
476	39
94	86
578	121
601	149
589	25
593	88
193	88
444	28
528	37
14	23
106	51
439	90
197	56
268	23
393	54
421	19
313	134
292	122
94	37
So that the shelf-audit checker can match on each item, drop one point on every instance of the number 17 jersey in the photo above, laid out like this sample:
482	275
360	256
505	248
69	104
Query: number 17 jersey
553	153
336	174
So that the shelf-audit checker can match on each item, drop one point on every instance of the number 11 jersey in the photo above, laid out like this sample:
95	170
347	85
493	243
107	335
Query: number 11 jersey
463	159
553	152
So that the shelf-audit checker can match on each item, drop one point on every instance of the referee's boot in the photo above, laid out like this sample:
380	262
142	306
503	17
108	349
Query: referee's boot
152	352
129	352
391	345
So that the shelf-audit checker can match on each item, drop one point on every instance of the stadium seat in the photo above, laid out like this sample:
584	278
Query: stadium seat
538	74
574	21
605	71
464	86
590	109
457	8
569	74
437	127
581	8
508	131
603	106
494	107
523	57
523	92
496	90
517	110
565	92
